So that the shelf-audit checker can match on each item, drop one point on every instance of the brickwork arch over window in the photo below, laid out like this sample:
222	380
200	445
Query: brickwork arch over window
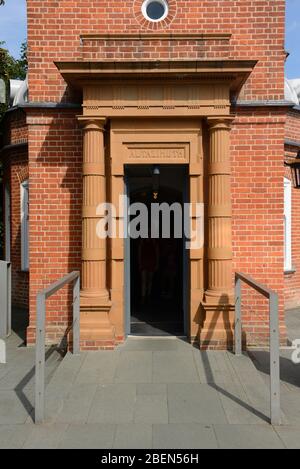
155	14
23	174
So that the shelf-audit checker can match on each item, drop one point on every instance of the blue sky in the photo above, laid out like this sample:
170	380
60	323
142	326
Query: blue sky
13	31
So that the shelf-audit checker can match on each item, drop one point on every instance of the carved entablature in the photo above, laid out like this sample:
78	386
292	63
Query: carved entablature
156	99
157	88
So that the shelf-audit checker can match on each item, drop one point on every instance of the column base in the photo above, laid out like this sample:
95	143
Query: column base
218	297
96	331
217	326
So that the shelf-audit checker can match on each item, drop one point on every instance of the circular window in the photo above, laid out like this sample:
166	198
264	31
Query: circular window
155	10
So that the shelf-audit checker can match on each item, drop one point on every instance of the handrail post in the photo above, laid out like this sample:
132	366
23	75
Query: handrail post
9	298
5	307
5	299
41	334
272	296
238	317
274	361
76	316
40	358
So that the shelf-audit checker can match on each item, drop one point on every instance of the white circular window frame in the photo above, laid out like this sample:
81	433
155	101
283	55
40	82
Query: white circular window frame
164	3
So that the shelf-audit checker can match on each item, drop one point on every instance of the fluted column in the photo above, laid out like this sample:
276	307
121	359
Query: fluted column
93	280
219	249
95	304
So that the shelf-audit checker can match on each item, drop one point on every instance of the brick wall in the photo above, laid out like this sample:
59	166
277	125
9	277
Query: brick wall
257	28
292	128
15	128
257	141
55	172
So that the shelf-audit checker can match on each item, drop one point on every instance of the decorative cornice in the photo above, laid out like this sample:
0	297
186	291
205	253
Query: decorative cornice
292	143
80	73
13	146
263	103
44	105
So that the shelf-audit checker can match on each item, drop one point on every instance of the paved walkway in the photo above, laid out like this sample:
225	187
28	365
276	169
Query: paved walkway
149	393
292	319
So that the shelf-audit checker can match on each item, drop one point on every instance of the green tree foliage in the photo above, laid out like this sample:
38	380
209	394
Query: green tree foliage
11	68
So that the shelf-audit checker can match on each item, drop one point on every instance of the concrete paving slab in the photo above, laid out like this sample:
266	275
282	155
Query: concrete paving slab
184	436
151	409
133	436
14	436
194	403
151	388
214	367
89	436
292	319
237	407
247	437
134	367
98	367
153	344
45	436
53	406
65	375
4	369
113	403
174	367
290	436
290	404
12	410
186	400
15	376
77	404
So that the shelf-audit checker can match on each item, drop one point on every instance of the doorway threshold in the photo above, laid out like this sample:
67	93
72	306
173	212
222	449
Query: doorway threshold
155	337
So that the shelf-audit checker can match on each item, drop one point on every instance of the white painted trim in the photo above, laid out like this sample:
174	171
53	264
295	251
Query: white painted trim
2	351
145	5
287	224
7	221
25	225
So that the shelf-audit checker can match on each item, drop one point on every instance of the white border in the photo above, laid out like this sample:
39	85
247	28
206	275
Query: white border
7	222
287	225
164	3
24	225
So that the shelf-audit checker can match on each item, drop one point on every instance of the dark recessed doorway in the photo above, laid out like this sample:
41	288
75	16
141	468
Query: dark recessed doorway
156	267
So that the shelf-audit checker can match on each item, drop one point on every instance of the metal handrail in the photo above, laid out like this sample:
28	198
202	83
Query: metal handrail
5	306
41	333
274	337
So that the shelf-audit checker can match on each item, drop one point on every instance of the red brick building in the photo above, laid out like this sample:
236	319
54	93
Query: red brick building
194	87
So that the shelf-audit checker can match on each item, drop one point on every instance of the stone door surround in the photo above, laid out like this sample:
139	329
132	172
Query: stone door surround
165	112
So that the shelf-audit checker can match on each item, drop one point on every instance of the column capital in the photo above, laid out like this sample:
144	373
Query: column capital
222	122
92	122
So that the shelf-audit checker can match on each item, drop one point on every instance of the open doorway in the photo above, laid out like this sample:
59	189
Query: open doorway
156	266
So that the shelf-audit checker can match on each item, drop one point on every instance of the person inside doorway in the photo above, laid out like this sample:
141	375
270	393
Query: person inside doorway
148	259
